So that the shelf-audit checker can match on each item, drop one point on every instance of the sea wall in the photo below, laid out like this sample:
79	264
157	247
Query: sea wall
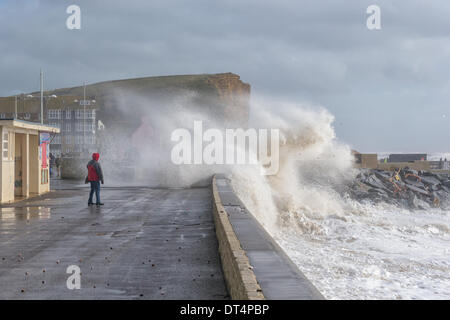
254	266
240	279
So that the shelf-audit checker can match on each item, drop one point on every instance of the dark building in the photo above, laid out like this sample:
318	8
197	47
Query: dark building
411	157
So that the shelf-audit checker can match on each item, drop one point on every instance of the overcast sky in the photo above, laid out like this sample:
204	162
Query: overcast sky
389	89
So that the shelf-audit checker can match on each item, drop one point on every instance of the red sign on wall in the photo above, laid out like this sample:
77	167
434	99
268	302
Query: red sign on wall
44	155
44	140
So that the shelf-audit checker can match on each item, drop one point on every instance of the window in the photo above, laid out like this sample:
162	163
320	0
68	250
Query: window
89	126
27	116
5	145
68	127
78	139
79	126
56	150
2	115
79	114
90	139
68	114
56	139
68	139
90	114
55	124
54	114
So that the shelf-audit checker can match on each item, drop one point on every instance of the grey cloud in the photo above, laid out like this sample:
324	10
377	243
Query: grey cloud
388	89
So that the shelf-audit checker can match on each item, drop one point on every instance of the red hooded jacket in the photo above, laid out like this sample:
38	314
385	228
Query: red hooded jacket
94	169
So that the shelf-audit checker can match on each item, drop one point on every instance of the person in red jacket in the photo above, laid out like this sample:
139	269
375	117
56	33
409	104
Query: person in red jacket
95	176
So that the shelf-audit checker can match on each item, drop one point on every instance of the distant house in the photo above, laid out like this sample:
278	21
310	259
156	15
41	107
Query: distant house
365	160
405	157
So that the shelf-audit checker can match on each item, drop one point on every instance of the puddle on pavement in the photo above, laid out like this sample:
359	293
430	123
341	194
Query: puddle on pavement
24	213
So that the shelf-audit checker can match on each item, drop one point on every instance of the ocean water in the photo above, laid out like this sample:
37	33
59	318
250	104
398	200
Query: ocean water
375	253
348	249
352	250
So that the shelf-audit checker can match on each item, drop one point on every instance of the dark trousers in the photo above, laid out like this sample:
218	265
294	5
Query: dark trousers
95	187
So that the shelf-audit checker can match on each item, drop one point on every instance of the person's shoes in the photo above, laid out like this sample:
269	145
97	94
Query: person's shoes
99	204
90	204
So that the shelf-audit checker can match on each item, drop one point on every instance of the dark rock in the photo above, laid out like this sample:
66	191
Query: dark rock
406	188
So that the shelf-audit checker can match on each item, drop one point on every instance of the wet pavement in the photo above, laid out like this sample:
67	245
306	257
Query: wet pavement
142	244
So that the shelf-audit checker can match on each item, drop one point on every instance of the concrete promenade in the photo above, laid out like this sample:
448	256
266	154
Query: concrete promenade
142	244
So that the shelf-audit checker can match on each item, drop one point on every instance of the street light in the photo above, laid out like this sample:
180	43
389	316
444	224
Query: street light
15	107
84	115
42	97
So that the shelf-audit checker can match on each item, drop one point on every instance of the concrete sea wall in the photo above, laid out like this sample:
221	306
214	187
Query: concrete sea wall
240	279
254	266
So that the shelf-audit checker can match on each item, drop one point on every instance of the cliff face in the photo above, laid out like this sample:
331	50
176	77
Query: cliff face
235	94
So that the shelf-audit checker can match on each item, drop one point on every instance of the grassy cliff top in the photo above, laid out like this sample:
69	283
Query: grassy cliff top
197	82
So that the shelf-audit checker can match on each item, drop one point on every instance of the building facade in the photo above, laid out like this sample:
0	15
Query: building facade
405	157
75	117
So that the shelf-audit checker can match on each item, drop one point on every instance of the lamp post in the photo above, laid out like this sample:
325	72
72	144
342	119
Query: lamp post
42	97
84	116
